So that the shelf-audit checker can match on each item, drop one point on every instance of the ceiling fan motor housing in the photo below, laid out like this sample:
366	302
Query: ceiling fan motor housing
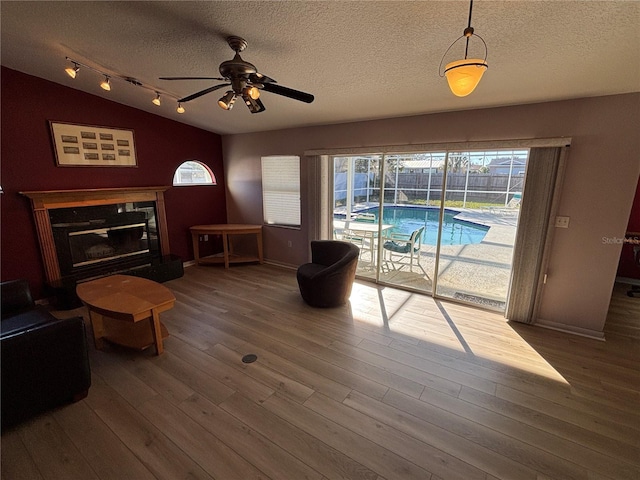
237	68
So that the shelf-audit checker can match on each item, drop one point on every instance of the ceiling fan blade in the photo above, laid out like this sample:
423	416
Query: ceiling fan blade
203	92
288	92
192	78
260	78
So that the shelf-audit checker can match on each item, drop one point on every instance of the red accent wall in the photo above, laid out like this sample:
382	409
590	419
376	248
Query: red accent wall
627	267
28	163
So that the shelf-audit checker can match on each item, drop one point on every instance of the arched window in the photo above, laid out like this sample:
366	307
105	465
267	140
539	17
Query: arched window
193	172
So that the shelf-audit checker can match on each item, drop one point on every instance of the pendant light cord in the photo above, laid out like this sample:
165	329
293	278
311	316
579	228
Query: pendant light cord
469	29
468	33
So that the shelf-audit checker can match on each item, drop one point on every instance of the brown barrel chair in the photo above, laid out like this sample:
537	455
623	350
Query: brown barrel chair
328	279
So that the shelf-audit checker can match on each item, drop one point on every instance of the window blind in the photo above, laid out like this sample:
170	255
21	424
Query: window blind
533	232
281	190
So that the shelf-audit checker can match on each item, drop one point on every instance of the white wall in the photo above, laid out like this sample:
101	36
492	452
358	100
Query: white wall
599	186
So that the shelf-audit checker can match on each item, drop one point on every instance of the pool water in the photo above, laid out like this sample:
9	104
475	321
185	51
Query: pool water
409	219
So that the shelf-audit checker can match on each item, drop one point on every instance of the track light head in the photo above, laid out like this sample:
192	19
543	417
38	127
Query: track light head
156	101
180	108
106	85
72	72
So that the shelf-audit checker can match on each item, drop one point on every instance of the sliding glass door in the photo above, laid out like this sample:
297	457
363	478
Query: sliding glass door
480	218
442	223
410	218
356	198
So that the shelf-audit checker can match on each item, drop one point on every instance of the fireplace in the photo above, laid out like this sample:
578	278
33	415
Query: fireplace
86	234
90	240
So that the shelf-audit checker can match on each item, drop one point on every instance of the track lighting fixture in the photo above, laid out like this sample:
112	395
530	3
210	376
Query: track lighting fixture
227	100
72	71
106	84
464	75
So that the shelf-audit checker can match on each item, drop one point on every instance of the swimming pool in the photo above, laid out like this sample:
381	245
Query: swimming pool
407	219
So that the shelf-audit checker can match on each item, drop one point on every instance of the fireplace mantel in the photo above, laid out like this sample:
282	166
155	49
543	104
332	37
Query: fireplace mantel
43	201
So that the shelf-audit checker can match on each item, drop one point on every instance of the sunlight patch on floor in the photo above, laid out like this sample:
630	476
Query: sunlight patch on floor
447	329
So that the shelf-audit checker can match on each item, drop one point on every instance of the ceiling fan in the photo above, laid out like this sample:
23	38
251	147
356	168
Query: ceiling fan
245	81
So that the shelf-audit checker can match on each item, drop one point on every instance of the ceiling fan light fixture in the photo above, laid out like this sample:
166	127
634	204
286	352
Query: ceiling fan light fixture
244	81
253	92
106	85
180	108
227	100
72	71
156	101
253	104
463	76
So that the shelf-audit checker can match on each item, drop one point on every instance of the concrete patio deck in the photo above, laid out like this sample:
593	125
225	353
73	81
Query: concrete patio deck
476	273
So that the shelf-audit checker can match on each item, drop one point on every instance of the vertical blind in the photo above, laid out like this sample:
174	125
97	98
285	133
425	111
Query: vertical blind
281	190
532	235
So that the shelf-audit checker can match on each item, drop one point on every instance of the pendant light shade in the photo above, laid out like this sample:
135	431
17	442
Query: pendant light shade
464	75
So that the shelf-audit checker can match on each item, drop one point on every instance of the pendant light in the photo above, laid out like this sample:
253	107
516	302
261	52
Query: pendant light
464	75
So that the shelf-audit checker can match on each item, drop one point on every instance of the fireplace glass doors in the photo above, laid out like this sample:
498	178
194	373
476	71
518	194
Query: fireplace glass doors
95	240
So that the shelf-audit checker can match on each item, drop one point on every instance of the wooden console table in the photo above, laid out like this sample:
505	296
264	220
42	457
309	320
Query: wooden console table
228	256
118	304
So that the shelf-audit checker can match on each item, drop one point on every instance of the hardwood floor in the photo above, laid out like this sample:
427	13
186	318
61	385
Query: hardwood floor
624	313
393	386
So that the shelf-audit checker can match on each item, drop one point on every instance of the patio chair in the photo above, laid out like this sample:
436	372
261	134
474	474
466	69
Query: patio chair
513	207
356	237
404	245
366	217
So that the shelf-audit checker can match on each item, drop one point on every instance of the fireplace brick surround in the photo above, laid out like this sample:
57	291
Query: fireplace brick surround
152	260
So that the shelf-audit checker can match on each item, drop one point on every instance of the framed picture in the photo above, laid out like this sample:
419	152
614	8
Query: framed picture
90	146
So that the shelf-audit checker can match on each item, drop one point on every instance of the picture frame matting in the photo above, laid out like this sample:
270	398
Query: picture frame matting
92	146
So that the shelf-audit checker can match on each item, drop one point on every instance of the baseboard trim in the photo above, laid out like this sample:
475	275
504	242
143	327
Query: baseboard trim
288	266
561	327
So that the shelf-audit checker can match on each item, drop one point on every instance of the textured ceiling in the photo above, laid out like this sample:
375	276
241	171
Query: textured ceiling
361	59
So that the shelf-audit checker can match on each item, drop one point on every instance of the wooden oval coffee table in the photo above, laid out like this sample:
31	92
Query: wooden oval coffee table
118	307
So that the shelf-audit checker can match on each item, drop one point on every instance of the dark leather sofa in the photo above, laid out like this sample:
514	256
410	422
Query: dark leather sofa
328	279
45	362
